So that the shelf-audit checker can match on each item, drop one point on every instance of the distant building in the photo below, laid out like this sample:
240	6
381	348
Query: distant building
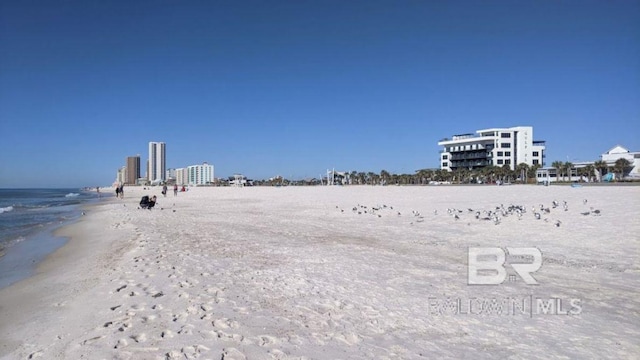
550	174
200	174
182	176
497	147
171	174
132	172
157	162
239	180
618	152
121	176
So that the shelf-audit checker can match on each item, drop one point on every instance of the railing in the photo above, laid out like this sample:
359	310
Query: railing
469	156
466	164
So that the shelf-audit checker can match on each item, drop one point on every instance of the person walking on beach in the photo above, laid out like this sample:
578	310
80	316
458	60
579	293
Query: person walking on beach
164	190
122	191
175	190
117	191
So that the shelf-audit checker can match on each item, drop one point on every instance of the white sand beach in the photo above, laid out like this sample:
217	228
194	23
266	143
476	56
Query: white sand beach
296	273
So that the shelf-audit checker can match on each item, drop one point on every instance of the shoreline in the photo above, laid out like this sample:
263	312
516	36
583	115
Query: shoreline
22	259
46	289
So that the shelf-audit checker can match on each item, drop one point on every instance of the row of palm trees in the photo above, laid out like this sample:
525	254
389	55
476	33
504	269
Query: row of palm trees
488	174
565	169
523	173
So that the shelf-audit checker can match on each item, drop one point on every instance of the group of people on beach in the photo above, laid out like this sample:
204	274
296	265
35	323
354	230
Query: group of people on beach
120	191
175	190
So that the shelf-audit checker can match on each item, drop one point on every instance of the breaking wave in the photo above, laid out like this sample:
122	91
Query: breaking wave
6	209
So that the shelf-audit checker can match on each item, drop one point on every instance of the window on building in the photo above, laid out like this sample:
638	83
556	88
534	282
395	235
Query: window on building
500	153
445	164
500	161
535	153
507	162
505	145
505	135
445	157
507	153
535	162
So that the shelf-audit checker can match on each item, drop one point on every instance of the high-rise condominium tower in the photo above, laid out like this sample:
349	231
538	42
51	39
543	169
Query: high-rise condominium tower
157	161
132	170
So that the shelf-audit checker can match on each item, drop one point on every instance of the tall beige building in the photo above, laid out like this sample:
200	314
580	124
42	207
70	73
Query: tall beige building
133	170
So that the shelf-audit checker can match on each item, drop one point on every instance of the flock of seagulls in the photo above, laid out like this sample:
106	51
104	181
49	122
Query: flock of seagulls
495	215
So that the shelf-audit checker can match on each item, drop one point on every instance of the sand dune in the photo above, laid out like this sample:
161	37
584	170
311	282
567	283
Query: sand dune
279	273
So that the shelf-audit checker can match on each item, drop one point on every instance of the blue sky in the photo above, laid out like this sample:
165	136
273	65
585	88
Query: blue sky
295	87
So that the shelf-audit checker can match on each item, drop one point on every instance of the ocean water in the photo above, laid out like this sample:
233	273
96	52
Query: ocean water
28	218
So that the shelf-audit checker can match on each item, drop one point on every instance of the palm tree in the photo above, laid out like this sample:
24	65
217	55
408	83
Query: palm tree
384	175
507	173
423	176
522	172
362	178
588	171
558	165
353	177
621	166
568	166
601	166
532	171
459	175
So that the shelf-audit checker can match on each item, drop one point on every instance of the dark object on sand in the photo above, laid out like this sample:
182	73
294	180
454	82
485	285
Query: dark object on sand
147	203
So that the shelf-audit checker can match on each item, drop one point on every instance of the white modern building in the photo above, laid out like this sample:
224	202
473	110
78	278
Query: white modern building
577	173
619	152
121	176
497	147
200	174
157	170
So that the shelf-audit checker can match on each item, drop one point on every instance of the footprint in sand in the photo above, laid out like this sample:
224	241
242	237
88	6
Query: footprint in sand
121	343
224	323
167	334
232	354
148	319
227	336
36	354
139	338
194	351
266	340
186	330
92	340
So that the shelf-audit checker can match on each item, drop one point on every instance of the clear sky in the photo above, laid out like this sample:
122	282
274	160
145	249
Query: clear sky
292	88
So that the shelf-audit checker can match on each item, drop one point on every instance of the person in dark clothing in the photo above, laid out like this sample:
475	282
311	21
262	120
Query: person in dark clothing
148	203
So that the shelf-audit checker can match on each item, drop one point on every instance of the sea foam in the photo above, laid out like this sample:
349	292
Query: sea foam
6	209
71	195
